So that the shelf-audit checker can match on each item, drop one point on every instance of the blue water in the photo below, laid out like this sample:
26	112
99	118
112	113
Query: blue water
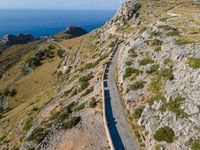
48	22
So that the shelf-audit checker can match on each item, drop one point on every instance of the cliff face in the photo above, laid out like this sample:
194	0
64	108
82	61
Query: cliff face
75	31
10	40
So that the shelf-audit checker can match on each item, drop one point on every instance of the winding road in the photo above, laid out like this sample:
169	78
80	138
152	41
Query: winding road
66	61
118	127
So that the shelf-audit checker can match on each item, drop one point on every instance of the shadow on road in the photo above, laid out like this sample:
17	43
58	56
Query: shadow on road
105	84
112	123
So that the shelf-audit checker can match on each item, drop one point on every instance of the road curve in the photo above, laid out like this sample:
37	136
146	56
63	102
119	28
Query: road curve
119	129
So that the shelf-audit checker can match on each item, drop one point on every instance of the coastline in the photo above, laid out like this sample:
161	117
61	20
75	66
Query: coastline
41	23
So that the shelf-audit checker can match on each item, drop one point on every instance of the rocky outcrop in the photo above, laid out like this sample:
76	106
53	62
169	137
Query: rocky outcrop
184	84
9	40
75	31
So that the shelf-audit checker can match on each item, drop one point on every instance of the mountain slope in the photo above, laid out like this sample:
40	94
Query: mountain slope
55	101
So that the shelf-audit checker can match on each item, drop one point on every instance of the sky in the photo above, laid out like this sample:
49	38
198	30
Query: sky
61	4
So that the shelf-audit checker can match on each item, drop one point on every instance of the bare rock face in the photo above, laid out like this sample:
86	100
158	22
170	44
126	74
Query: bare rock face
75	31
129	13
9	40
128	10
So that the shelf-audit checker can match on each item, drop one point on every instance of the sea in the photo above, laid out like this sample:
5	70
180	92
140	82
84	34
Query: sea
47	22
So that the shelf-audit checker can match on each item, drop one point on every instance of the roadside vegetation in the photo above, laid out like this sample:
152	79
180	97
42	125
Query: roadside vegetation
92	103
131	72
165	134
193	62
182	41
194	143
174	105
72	122
146	61
138	112
84	81
133	53
136	86
167	73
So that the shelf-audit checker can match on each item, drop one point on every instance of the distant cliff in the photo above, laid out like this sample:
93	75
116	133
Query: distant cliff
9	40
70	32
75	31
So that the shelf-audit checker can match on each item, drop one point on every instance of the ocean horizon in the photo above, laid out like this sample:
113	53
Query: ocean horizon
46	22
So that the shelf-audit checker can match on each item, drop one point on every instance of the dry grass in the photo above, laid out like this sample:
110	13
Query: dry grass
72	44
33	91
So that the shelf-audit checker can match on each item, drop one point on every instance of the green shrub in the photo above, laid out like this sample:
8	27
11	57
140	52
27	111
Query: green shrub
155	34
88	91
60	53
156	97
153	68
79	107
13	92
136	86
9	92
71	106
174	105
158	49
142	30
38	135
156	84
146	61
173	33
130	71
158	147
112	45
48	53
92	65
74	92
85	81
6	92
60	115
1	110
138	112
156	42
28	123
182	41
194	62
2	138
194	143
92	103
84	85
72	122
166	27
164	134
167	73
132	53
34	62
86	78
168	61
25	71
128	63
68	92
35	109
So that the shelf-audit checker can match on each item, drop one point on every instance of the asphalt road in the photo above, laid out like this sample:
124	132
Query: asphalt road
119	128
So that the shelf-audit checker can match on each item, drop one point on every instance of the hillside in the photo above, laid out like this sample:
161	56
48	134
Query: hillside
51	89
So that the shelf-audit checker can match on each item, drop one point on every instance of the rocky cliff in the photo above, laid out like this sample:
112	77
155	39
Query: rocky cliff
10	40
75	31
